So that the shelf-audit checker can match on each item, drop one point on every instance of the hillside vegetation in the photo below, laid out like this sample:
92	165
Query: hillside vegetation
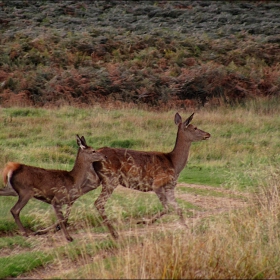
158	53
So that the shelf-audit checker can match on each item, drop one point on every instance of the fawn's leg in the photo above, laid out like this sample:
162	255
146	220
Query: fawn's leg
67	213
100	206
56	226
57	207
22	201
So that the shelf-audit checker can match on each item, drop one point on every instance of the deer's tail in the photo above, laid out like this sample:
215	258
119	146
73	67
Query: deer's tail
7	174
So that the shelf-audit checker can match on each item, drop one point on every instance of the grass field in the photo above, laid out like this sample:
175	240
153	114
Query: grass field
232	207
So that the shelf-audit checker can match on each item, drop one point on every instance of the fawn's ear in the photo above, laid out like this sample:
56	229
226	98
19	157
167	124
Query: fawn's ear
177	119
81	142
84	141
188	120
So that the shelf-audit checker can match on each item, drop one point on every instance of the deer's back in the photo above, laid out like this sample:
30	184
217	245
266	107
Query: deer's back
39	181
135	169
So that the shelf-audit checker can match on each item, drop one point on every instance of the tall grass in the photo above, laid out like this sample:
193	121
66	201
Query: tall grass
240	244
242	154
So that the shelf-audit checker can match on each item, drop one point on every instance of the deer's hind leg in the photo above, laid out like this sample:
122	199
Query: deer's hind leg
22	201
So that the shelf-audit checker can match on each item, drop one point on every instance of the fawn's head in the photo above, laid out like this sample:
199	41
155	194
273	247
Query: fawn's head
88	153
190	132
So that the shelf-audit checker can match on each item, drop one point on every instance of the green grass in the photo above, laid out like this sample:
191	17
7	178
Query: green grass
12	242
237	142
74	250
208	192
242	154
203	192
15	265
205	175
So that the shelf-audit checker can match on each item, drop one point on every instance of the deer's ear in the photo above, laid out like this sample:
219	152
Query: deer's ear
84	141
188	120
177	119
81	142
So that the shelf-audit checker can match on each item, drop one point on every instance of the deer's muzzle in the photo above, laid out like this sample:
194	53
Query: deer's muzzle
207	136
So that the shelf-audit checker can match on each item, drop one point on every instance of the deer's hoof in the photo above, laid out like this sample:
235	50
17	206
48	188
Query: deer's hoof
41	232
26	232
115	234
69	238
144	222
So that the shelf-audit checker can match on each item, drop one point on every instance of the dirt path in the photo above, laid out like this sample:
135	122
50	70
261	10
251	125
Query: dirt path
227	201
208	205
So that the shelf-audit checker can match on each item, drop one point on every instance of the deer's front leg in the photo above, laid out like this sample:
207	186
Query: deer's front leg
67	213
160	192
56	226
92	183
61	219
164	189
173	205
100	206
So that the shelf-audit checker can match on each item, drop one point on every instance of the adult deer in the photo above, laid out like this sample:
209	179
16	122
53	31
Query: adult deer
56	187
147	171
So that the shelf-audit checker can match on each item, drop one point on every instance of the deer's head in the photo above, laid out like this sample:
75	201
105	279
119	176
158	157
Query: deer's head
190	132
89	154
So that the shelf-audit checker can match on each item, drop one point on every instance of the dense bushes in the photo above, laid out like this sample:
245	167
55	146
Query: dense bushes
64	59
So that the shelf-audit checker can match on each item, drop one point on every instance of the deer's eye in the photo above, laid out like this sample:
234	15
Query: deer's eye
195	128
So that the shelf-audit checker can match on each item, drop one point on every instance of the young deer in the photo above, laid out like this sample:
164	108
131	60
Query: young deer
147	171
56	187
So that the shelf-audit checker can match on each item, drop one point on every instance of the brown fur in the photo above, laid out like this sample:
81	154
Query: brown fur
56	187
147	171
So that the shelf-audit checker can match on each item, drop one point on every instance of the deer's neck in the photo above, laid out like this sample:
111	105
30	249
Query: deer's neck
180	153
80	170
